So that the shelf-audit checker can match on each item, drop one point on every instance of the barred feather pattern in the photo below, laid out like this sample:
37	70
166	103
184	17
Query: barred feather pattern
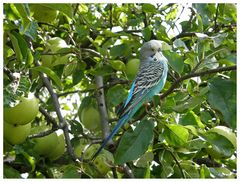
150	74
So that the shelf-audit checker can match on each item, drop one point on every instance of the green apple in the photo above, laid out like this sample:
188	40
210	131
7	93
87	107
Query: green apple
22	113
16	134
103	162
132	68
90	118
79	148
42	13
59	150
45	145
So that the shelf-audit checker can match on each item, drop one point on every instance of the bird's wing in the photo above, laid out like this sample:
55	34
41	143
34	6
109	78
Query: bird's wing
143	83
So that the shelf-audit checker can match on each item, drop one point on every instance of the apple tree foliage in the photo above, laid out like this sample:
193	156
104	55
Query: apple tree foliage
188	131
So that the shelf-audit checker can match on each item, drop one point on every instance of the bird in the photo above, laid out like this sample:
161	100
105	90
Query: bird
149	81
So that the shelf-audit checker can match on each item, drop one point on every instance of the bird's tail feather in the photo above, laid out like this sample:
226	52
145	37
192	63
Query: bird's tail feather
115	130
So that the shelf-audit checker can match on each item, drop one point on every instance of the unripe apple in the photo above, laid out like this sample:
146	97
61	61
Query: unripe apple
45	145
103	162
59	150
22	113
16	134
90	118
132	68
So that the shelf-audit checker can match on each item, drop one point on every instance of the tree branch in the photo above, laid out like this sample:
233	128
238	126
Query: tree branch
127	171
48	117
93	89
62	122
9	73
42	134
102	107
215	20
184	34
195	74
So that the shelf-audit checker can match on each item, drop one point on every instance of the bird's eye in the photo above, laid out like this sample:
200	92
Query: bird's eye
159	49
152	55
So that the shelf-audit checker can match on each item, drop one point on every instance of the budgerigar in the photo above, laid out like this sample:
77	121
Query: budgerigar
149	81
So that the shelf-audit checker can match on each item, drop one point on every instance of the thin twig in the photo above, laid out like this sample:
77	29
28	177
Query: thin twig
114	171
179	80
42	134
178	164
174	23
92	52
207	57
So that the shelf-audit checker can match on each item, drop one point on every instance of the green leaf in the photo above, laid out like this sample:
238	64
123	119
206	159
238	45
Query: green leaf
10	172
147	33
70	68
180	44
217	40
119	50
148	8
116	95
76	127
23	53
222	97
82	30
204	171
189	104
220	146
229	60
77	76
71	171
197	144
189	168
141	172
50	73
176	135
145	159
231	11
117	65
162	34
226	132
102	70
16	47
167	163
134	143
221	172
175	60
27	27
64	8
191	119
31	30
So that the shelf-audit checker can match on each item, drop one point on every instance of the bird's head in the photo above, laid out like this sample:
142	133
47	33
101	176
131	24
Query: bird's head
151	49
